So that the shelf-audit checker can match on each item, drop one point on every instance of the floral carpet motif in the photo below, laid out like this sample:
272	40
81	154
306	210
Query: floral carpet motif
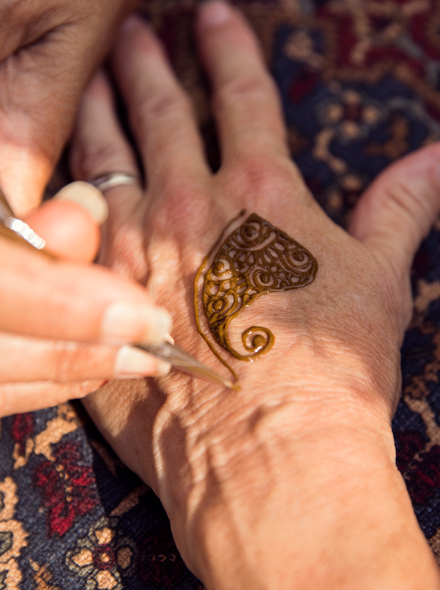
360	87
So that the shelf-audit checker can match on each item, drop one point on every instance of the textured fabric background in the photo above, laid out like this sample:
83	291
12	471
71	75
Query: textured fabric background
360	86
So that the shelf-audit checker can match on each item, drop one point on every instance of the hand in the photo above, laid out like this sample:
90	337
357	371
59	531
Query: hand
52	316
48	51
63	322
290	482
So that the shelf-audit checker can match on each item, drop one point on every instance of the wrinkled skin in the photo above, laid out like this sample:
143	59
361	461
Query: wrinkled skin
290	482
48	51
51	314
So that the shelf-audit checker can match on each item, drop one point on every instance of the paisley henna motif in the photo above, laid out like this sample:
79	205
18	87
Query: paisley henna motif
256	259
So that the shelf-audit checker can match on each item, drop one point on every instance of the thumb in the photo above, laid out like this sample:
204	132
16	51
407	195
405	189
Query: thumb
69	223
396	212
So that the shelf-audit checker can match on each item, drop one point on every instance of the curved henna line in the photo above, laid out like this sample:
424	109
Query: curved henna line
257	348
196	288
254	260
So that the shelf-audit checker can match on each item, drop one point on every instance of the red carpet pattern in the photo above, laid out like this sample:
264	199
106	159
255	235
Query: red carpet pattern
360	87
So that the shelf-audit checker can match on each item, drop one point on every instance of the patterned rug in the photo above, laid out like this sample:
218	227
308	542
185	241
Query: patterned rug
360	85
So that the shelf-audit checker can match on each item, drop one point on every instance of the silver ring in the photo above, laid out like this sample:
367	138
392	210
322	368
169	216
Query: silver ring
107	181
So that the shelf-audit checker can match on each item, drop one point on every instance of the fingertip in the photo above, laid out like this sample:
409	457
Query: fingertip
88	197
136	39
68	228
99	86
220	16
213	13
131	24
134	28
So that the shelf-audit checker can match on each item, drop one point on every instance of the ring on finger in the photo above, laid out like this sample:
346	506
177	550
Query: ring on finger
113	179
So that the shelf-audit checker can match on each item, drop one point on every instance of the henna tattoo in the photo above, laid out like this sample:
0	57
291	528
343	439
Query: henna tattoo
255	259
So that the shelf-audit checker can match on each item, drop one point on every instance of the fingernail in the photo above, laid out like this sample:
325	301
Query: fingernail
131	363
88	197
214	13
129	322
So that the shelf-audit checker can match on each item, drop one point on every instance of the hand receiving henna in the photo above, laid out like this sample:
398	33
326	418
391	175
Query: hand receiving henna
290	482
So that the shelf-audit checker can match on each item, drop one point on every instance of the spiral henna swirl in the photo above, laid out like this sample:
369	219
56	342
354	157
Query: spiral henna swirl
256	259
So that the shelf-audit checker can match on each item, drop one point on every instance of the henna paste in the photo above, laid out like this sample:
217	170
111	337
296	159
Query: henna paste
255	259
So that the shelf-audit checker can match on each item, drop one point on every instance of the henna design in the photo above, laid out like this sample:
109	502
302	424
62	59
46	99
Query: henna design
256	259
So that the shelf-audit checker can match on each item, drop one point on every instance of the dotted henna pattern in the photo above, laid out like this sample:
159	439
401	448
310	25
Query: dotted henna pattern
255	259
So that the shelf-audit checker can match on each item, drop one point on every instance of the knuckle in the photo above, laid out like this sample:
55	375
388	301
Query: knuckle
256	176
92	160
409	206
64	365
160	105
181	207
409	189
69	362
127	255
243	90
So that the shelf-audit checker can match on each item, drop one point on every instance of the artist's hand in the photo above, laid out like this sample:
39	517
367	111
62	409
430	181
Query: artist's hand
289	482
48	51
63	323
52	315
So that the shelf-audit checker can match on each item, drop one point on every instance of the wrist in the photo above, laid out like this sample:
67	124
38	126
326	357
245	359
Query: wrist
250	481
337	501
268	475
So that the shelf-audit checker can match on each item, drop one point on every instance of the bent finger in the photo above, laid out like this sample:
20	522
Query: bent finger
246	102
61	361
397	211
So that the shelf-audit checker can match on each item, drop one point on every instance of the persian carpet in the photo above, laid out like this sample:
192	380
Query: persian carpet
360	87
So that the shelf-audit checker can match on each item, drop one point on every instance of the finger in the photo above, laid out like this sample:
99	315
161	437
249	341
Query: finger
27	397
51	54
161	115
48	299
61	361
98	145
246	102
69	223
397	211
